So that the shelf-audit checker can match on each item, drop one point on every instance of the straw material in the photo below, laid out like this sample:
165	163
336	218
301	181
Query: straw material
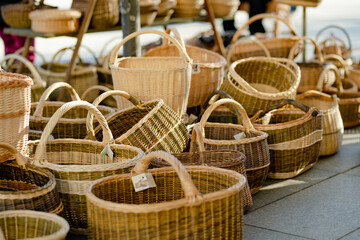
87	96
27	224
149	126
77	162
304	3
224	8
14	111
253	143
333	127
193	202
151	78
71	125
354	74
16	15
211	68
294	137
259	82
349	106
188	8
166	10
148	11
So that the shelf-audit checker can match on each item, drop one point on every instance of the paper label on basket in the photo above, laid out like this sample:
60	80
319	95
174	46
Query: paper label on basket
195	69
143	181
51	137
107	150
239	136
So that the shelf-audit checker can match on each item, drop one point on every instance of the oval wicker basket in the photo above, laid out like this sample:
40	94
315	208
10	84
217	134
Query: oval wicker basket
304	3
27	224
17	15
76	162
187	202
295	136
28	188
252	142
224	8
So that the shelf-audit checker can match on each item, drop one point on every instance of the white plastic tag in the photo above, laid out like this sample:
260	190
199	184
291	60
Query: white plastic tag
143	181
195	69
51	137
239	136
107	150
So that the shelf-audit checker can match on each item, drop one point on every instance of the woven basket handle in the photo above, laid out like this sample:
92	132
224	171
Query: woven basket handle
244	40
20	159
39	109
104	59
259	17
246	121
192	195
336	27
177	37
333	41
303	39
21	50
314	93
99	99
340	60
61	51
321	82
94	88
182	51
38	82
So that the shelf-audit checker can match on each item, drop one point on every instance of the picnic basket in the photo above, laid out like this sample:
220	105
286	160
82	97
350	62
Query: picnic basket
259	82
187	202
244	138
211	67
28	224
150	126
76	162
71	125
333	127
15	92
28	188
151	78
295	136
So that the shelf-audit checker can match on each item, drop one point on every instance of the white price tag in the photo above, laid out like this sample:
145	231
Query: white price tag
107	150
239	136
143	181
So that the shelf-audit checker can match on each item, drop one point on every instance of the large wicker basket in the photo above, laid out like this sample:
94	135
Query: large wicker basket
15	90
76	162
150	126
252	142
193	202
28	188
27	224
259	82
333	127
151	78
71	125
17	15
295	136
211	66
87	96
304	3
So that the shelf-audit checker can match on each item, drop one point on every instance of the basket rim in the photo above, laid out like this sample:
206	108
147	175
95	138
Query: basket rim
170	205
13	80
54	14
78	70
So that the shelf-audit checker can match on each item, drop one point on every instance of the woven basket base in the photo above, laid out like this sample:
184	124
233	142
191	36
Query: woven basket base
289	174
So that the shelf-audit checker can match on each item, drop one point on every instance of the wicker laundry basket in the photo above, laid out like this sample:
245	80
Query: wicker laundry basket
15	92
28	188
27	224
151	78
304	3
187	202
295	136
149	126
244	138
76	162
71	125
259	82
211	66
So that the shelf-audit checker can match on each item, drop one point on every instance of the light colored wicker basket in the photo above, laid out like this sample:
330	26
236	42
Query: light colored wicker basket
27	224
333	127
15	92
259	82
99	89
304	3
211	66
17	15
150	126
150	78
166	10
354	74
148	11
188	8
295	136
224	8
71	125
187	202
28	188
76	162
254	144
54	21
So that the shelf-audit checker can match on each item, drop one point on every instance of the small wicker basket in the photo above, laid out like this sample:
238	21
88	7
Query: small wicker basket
304	3
17	15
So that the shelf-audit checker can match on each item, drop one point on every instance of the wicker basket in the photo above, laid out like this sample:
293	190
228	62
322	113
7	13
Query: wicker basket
211	66
166	10
71	125
27	189
224	8
188	8
14	112
187	202
252	142
148	11
54	21
354	74
100	89
295	136
17	15
304	3
76	162
150	78
150	126
333	127
259	82
278	47
27	224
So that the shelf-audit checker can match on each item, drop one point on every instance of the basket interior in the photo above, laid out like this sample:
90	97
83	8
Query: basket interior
219	132
321	104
